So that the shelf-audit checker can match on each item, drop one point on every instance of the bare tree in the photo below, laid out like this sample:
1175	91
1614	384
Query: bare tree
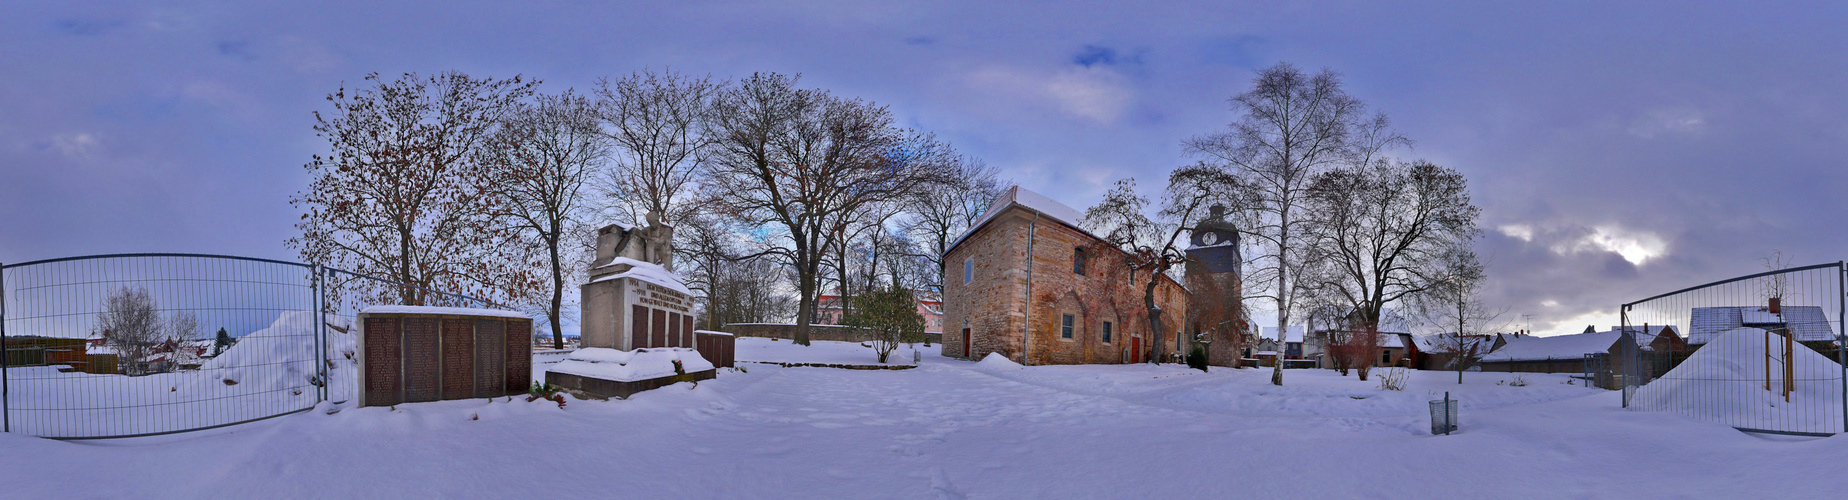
1381	232
1454	301
398	193
538	163
1153	244
131	325
940	213
1291	126
659	124
803	163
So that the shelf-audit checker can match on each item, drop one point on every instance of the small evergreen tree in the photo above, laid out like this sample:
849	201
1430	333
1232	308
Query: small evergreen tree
890	314
224	342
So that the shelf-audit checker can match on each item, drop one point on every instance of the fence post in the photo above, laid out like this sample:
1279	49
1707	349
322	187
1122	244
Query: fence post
320	329
6	396
1841	336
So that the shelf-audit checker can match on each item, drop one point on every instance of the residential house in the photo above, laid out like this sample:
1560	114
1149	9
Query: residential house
1598	355
930	307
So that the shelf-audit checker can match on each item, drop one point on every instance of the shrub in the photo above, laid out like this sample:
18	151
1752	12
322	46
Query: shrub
1393	379
1196	358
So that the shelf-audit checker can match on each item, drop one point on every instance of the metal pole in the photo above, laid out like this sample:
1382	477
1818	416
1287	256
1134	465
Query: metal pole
6	407
320	321
1841	338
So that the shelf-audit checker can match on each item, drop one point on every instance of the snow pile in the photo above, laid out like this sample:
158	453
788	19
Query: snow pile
444	311
1724	382
630	366
646	272
281	358
995	361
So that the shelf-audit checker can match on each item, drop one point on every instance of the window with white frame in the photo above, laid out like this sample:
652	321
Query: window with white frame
1106	332
968	270
1065	330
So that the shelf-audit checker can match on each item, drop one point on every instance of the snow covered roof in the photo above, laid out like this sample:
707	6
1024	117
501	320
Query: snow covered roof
1444	342
1047	207
446	311
1296	333
647	272
1574	346
1808	323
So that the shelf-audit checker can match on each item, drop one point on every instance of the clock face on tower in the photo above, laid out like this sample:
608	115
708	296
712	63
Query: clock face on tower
1209	238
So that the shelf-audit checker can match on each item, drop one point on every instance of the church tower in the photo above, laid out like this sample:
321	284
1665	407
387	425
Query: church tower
1213	247
1216	313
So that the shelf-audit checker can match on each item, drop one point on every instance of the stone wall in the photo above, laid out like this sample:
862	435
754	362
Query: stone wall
995	307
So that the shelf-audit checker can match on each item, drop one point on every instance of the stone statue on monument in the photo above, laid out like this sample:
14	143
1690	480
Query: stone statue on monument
658	241
653	244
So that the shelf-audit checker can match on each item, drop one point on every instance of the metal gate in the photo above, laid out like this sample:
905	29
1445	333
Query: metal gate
1760	353
131	345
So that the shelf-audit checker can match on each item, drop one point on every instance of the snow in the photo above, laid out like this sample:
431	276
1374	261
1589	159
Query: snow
268	372
630	366
764	350
960	429
1811	323
1024	197
1575	346
1724	382
646	272
1296	333
444	311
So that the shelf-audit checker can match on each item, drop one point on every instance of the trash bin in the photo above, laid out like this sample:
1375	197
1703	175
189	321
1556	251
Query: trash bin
1443	415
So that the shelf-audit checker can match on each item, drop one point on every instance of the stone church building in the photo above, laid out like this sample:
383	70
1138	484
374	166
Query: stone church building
1027	282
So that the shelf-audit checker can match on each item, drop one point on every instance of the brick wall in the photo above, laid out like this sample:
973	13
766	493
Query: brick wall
427	357
995	305
781	331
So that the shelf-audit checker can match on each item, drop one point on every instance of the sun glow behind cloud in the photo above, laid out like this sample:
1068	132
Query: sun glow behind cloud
1635	246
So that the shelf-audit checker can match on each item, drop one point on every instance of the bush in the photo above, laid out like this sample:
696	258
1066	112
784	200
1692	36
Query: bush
1196	358
1393	379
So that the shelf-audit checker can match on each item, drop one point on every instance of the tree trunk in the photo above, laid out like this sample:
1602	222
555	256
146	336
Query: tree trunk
806	309
558	292
1283	298
1148	301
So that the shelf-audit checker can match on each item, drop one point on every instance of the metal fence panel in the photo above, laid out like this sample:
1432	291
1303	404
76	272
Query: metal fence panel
131	345
1761	353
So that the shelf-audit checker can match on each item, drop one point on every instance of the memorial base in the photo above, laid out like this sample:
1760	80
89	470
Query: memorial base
592	387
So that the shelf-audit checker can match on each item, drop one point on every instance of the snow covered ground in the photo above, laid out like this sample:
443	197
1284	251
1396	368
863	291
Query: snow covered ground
959	429
821	351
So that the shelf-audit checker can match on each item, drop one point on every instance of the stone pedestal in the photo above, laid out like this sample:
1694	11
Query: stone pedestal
628	313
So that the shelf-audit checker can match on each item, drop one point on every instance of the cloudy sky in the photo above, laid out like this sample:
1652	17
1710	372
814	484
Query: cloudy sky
1617	151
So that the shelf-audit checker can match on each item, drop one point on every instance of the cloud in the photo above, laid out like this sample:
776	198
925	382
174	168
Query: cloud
79	147
1097	93
1634	245
87	27
1676	121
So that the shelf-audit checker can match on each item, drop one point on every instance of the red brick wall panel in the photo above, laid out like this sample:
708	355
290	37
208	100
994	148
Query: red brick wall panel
420	359
638	327
519	355
384	362
458	348
490	358
659	331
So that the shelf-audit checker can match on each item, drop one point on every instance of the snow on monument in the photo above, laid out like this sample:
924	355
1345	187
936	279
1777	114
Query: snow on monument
637	318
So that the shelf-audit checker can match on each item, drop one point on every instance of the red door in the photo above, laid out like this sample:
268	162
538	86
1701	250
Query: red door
966	352
1135	349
